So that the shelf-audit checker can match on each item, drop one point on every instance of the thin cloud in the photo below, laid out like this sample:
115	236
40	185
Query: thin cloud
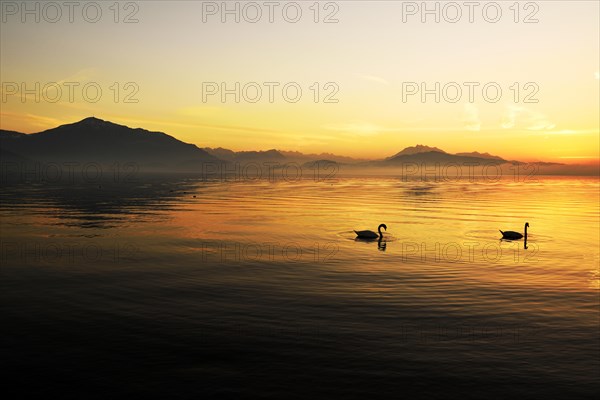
196	111
359	128
520	117
565	132
34	120
471	118
83	75
50	88
373	78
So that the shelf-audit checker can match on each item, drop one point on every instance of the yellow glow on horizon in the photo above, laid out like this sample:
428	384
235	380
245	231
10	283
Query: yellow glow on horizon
370	57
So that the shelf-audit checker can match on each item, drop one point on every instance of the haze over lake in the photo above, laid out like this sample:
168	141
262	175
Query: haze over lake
189	287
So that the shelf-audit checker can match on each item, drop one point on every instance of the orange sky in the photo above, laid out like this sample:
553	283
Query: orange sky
366	64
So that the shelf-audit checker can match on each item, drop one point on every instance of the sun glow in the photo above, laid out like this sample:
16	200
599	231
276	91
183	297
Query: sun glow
359	87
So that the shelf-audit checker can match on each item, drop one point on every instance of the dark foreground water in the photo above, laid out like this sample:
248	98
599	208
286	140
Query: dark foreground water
259	289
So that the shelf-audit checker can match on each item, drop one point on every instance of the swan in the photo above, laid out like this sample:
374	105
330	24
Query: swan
514	235
371	234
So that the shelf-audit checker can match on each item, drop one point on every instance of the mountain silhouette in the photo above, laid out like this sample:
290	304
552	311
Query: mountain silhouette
418	149
221	153
435	157
273	155
479	155
96	140
298	157
432	155
259	156
246	156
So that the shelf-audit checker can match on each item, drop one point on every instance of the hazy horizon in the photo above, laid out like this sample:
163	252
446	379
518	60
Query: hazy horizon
575	162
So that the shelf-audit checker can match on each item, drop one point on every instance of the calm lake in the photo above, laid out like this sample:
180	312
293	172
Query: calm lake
187	288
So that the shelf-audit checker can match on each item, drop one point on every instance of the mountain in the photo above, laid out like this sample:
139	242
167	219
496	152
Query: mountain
7	156
246	156
421	154
276	156
296	156
479	155
418	149
94	140
435	157
221	153
259	156
4	134
434	154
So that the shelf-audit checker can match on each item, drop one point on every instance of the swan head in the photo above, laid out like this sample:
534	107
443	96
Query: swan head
526	224
382	226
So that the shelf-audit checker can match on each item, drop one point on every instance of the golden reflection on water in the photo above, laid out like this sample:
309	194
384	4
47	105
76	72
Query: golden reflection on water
441	233
444	230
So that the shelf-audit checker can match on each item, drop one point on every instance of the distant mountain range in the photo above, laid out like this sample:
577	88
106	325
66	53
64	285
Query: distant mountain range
421	154
246	156
418	149
95	140
276	156
479	155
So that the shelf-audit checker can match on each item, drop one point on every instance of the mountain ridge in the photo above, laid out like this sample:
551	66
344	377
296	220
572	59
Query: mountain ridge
94	139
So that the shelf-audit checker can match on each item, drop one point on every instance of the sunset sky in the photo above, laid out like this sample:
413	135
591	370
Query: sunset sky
369	55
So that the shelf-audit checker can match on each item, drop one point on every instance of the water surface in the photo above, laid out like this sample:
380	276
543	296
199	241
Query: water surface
186	287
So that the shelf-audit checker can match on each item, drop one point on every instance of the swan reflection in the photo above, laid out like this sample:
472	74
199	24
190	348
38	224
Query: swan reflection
381	242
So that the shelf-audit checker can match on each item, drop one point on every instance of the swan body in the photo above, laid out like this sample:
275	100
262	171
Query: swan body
371	234
512	235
